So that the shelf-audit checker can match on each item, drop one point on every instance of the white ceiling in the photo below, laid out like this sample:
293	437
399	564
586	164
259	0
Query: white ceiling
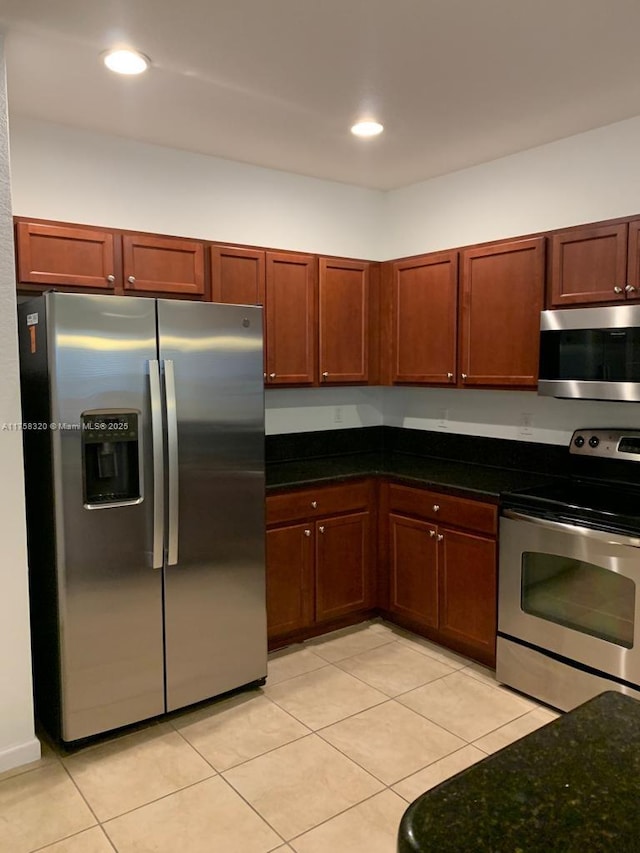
278	83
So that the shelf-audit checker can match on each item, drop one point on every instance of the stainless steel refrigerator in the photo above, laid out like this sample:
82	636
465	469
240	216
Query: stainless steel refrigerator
144	458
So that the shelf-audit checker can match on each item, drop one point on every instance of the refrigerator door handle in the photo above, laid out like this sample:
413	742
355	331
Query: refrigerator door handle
172	459
158	464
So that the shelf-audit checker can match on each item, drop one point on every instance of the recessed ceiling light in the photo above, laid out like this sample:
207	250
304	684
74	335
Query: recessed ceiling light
125	61
367	128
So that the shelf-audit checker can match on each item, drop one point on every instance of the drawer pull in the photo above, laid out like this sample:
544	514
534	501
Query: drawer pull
440	537
432	533
321	528
436	507
307	532
314	504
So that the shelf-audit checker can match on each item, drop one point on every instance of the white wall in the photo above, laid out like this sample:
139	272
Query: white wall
18	744
584	178
81	176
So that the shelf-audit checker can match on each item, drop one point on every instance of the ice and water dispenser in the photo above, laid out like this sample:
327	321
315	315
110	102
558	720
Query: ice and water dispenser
110	458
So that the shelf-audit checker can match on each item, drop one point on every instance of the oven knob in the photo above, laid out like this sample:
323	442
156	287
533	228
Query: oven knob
579	441
594	441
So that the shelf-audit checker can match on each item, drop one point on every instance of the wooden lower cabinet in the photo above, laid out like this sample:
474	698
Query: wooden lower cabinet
442	580
320	566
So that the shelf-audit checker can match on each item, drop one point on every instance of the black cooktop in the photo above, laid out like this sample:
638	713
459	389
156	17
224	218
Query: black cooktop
602	505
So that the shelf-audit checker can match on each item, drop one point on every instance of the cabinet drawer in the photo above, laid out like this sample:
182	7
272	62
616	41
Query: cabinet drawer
312	503
444	509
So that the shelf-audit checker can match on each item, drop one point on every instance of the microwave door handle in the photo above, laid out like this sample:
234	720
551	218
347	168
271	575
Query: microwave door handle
172	460
158	464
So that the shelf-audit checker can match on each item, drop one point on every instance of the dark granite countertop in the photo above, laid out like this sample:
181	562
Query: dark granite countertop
464	478
571	786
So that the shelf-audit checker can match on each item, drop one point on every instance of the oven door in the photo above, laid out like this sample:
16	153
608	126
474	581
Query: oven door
572	591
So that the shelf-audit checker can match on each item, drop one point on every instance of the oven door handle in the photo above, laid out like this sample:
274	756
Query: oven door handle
565	527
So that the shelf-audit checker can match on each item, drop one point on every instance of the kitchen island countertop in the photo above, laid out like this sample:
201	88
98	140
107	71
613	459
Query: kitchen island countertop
571	786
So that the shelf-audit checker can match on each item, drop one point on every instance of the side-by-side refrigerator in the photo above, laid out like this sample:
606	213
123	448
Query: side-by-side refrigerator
144	457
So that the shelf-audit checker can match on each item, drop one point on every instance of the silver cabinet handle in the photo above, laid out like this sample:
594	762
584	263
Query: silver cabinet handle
617	289
321	528
325	375
449	375
172	460
111	278
131	279
440	537
464	376
265	375
314	504
272	376
432	533
436	507
629	288
158	464
307	532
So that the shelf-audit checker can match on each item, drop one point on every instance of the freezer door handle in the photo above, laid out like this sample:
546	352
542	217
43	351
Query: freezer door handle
158	464
172	459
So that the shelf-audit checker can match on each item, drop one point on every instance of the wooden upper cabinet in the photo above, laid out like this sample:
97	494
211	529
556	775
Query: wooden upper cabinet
502	294
425	310
588	264
633	263
163	265
61	255
344	320
290	319
237	275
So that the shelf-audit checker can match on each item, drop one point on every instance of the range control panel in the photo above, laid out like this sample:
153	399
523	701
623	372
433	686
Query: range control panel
610	443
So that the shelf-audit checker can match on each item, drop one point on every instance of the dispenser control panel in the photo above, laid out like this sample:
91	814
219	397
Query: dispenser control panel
110	458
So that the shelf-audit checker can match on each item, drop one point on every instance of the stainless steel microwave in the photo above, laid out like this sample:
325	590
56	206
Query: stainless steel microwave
591	353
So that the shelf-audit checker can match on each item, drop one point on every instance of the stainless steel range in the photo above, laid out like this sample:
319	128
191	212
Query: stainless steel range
569	572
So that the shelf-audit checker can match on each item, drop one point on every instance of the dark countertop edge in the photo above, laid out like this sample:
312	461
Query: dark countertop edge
307	473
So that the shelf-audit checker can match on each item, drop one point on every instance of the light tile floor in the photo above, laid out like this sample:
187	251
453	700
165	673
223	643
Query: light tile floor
350	728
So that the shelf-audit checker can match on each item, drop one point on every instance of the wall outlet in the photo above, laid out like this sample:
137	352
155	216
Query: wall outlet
337	415
526	424
443	419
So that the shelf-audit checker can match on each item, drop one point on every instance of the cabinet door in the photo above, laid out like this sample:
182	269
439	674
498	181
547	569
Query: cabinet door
588	264
343	299
467	566
343	573
163	265
237	275
413	570
60	255
291	319
289	578
633	265
425	312
502	296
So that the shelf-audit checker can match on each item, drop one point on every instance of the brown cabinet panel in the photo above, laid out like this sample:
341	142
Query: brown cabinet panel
289	578
237	275
467	566
319	501
633	263
425	310
587	263
163	265
502	292
291	319
444	509
61	255
413	570
343	576
343	301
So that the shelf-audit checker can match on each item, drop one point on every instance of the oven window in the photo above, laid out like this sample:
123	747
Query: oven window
579	595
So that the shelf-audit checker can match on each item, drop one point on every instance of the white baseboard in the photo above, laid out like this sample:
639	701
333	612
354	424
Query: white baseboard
16	756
